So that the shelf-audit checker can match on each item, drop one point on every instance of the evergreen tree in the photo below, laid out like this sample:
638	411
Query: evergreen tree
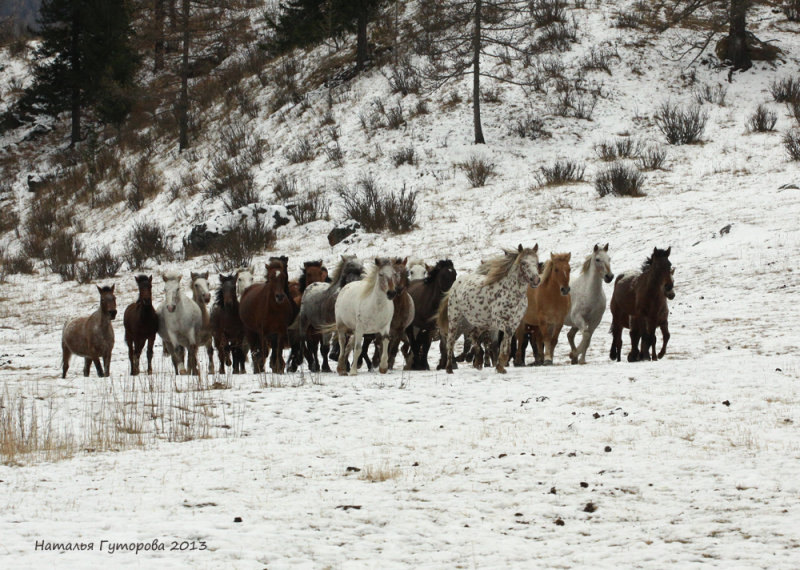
84	60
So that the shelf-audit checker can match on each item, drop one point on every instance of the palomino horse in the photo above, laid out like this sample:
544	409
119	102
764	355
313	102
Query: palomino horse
490	302
226	325
639	302
317	309
244	278
588	301
141	325
267	311
548	305
201	293
91	337
366	307
401	319
180	324
427	294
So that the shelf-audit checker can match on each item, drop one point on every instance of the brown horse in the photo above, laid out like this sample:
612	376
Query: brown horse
663	322
401	318
427	293
226	326
267	310
548	306
639	302
91	337
141	325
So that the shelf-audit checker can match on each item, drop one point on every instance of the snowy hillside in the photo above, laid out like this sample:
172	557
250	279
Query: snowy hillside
685	461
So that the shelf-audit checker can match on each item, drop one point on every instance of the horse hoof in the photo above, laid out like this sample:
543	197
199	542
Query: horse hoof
548	362
449	370
383	370
501	370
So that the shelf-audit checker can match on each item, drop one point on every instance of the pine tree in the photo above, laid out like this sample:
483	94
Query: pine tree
84	60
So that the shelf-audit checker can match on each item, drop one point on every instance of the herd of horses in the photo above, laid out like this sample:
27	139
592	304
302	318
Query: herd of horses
399	305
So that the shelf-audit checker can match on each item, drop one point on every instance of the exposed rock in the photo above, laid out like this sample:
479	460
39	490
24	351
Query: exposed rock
201	236
343	231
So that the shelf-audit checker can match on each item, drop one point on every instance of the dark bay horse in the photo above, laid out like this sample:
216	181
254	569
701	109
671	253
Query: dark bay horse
267	310
226	326
91	337
639	302
427	294
141	325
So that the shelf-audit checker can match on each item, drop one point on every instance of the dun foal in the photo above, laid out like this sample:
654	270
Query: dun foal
91	337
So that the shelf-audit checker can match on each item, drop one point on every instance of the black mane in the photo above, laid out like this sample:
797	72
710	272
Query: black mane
441	264
648	263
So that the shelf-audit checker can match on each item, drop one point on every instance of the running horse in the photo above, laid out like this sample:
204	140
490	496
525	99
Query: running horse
141	325
91	337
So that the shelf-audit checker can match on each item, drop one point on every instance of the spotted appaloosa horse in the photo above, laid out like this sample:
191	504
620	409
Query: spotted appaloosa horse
491	302
91	337
639	302
141	325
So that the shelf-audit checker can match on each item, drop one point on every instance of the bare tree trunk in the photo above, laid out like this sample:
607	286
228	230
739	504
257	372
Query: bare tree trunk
361	37
476	75
75	65
738	53
160	14
183	100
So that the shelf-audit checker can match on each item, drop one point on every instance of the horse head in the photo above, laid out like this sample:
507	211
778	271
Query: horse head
602	262
528	259
244	279
200	288
145	284
386	275
108	302
560	271
400	277
172	288
277	280
313	272
352	270
443	273
226	295
669	286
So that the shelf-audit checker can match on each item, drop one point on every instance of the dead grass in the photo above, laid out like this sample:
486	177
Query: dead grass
380	472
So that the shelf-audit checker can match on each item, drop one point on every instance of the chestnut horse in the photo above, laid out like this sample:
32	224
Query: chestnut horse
427	293
639	302
548	306
267	310
226	325
91	337
141	325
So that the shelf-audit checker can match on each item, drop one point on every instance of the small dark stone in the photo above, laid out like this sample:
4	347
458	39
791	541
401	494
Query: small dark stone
415	464
607	449
590	507
237	519
559	521
353	469
584	484
571	454
518	514
502	455
553	491
595	415
441	427
725	230
778	370
726	403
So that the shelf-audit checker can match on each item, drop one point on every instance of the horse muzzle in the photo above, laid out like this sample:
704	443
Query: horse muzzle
671	294
535	281
391	294
280	297
113	314
206	298
171	308
609	277
564	291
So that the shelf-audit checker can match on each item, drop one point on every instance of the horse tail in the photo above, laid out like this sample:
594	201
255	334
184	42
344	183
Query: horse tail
327	328
441	317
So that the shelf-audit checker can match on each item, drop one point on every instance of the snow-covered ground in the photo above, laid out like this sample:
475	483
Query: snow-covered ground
690	460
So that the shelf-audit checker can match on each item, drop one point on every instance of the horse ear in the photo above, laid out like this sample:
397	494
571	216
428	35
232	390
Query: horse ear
552	256
605	248
428	268
569	256
205	275
150	279
405	261
519	248
672	271
99	290
669	249
112	287
536	248
221	278
596	248
377	261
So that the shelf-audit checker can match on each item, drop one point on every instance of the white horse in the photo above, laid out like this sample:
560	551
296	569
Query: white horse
366	307
588	301
179	324
491	300
244	280
417	269
201	293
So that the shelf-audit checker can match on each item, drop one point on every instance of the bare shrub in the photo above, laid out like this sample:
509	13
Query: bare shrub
599	59
681	125
100	265
571	103
622	147
9	219
546	12
791	142
45	218
421	108
762	120
284	187
651	157
791	9
62	255
619	180
143	181
529	127
394	117
785	90
14	264
285	84
714	94
232	179
478	170
303	151
379	210
558	36
237	247
404	78
452	100
562	172
626	18
334	153
404	155
491	94
147	240
315	206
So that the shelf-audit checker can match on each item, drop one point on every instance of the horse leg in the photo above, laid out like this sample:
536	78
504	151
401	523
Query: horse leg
452	334
505	351
107	362
362	354
586	337
394	347
358	339
573	350
210	353
519	354
537	342
555	330
133	356
66	354
150	342
192	360
341	364
384	368
664	339
274	361
636	334
616	340
98	367
324	348
87	366
477	347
